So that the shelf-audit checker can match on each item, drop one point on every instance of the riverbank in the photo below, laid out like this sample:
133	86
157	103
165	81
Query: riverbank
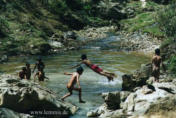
140	97
22	98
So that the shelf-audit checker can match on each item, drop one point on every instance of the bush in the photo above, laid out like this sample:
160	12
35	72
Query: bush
167	20
165	43
172	65
4	27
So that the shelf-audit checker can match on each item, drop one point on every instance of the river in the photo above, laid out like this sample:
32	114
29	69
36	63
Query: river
92	84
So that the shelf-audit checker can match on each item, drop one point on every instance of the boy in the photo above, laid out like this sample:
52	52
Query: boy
70	86
95	68
156	61
22	73
41	76
28	71
39	65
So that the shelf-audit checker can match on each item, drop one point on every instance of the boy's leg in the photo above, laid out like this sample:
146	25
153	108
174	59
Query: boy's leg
110	77
68	94
80	97
111	74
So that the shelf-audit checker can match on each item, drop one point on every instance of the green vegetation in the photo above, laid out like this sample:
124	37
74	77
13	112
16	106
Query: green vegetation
27	25
166	19
172	65
144	19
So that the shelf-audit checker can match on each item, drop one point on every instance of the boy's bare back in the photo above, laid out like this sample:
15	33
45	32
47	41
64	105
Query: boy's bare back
156	61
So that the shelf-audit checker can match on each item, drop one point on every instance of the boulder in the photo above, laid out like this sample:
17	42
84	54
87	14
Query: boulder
7	113
3	58
124	95
112	100
30	98
70	35
55	44
136	79
146	100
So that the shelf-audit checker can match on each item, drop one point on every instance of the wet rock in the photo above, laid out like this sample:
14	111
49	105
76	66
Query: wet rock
55	44
147	90
167	86
150	80
70	35
97	112
112	100
148	99
124	95
26	97
136	79
129	102
4	58
7	113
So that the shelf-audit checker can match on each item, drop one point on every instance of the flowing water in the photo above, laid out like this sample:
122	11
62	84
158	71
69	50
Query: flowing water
92	83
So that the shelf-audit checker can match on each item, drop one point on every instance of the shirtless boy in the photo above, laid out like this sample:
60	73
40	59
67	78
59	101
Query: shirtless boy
28	71
95	68
22	73
70	86
156	62
39	65
41	76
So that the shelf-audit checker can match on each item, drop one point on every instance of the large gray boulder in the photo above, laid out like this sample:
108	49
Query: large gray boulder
27	97
137	79
145	100
112	100
7	113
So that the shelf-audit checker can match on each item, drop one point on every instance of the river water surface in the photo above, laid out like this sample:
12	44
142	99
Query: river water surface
92	84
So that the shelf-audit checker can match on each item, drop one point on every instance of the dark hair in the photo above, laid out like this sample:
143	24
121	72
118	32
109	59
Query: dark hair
157	51
83	56
24	68
79	70
27	64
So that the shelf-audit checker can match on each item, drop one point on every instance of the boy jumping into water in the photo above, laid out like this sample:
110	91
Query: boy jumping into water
70	86
95	68
156	61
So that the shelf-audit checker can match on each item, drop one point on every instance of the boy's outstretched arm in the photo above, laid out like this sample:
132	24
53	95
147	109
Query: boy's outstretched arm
76	65
66	73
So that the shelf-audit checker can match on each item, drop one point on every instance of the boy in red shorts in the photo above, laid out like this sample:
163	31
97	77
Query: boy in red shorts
95	68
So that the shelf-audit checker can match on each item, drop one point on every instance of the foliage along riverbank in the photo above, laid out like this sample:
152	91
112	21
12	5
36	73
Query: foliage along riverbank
27	30
27	27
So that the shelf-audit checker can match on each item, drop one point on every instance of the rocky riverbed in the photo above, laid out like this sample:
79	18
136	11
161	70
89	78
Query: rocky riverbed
139	97
24	99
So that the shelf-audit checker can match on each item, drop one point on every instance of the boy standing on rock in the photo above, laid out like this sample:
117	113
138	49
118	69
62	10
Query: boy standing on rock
156	61
70	86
